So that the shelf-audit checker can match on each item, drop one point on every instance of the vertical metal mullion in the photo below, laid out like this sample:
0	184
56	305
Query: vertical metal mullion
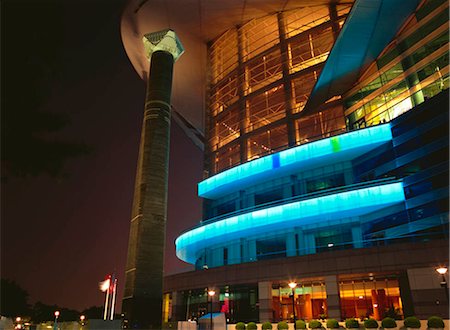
288	97
241	101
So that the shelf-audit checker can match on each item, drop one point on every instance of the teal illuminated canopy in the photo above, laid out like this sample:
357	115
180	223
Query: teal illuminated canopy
295	214
338	148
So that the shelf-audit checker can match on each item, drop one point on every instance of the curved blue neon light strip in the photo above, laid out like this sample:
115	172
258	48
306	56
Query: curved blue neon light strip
291	159
324	208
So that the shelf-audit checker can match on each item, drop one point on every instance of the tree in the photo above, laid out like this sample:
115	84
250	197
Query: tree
94	312
14	299
43	313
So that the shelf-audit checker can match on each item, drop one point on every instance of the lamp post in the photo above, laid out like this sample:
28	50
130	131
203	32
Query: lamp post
55	325
442	271
82	318
293	285
211	294
18	323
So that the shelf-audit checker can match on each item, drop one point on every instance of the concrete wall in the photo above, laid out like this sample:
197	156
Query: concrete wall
429	298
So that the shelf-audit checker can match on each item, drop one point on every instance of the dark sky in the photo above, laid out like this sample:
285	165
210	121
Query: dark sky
61	236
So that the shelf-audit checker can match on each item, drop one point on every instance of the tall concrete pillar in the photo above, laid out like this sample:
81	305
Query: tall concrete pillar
333	298
142	302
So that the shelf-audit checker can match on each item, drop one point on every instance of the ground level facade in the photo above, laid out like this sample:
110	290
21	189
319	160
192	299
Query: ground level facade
371	282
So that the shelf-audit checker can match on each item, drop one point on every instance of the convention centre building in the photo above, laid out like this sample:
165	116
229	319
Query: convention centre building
325	155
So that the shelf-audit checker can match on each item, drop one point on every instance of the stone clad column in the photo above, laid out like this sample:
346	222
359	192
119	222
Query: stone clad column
265	302
142	302
333	299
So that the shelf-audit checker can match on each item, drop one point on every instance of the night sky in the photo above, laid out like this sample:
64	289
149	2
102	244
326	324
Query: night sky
61	236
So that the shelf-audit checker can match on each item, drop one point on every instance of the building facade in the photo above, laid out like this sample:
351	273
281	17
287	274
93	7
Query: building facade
335	180
337	200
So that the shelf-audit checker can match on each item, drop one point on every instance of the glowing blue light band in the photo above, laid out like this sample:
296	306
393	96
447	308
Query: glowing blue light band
338	148
315	210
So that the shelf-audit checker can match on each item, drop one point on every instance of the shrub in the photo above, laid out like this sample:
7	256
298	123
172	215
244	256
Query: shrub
300	324
351	324
240	326
267	326
251	326
412	322
332	324
435	322
371	324
282	325
388	322
314	324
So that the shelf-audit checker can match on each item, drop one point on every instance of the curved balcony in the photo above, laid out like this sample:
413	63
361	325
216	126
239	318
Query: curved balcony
335	205
342	147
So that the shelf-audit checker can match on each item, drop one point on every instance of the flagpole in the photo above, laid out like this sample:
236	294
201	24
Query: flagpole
105	314
113	300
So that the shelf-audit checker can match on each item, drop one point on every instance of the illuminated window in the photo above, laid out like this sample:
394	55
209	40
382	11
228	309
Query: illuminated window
310	301
225	129
263	70
224	94
411	69
302	87
259	35
370	298
320	125
266	142
224	55
266	108
227	157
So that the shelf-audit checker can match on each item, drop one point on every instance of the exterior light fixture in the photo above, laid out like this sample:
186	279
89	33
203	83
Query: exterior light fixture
442	271
293	285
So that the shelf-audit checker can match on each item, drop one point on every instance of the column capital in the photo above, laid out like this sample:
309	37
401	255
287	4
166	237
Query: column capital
165	40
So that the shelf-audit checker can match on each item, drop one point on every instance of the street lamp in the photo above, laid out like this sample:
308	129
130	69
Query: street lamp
442	271
18	324
211	293
293	285
55	325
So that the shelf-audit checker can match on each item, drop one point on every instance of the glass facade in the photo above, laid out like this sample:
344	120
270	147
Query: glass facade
309	301
372	297
413	68
261	76
361	172
239	303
